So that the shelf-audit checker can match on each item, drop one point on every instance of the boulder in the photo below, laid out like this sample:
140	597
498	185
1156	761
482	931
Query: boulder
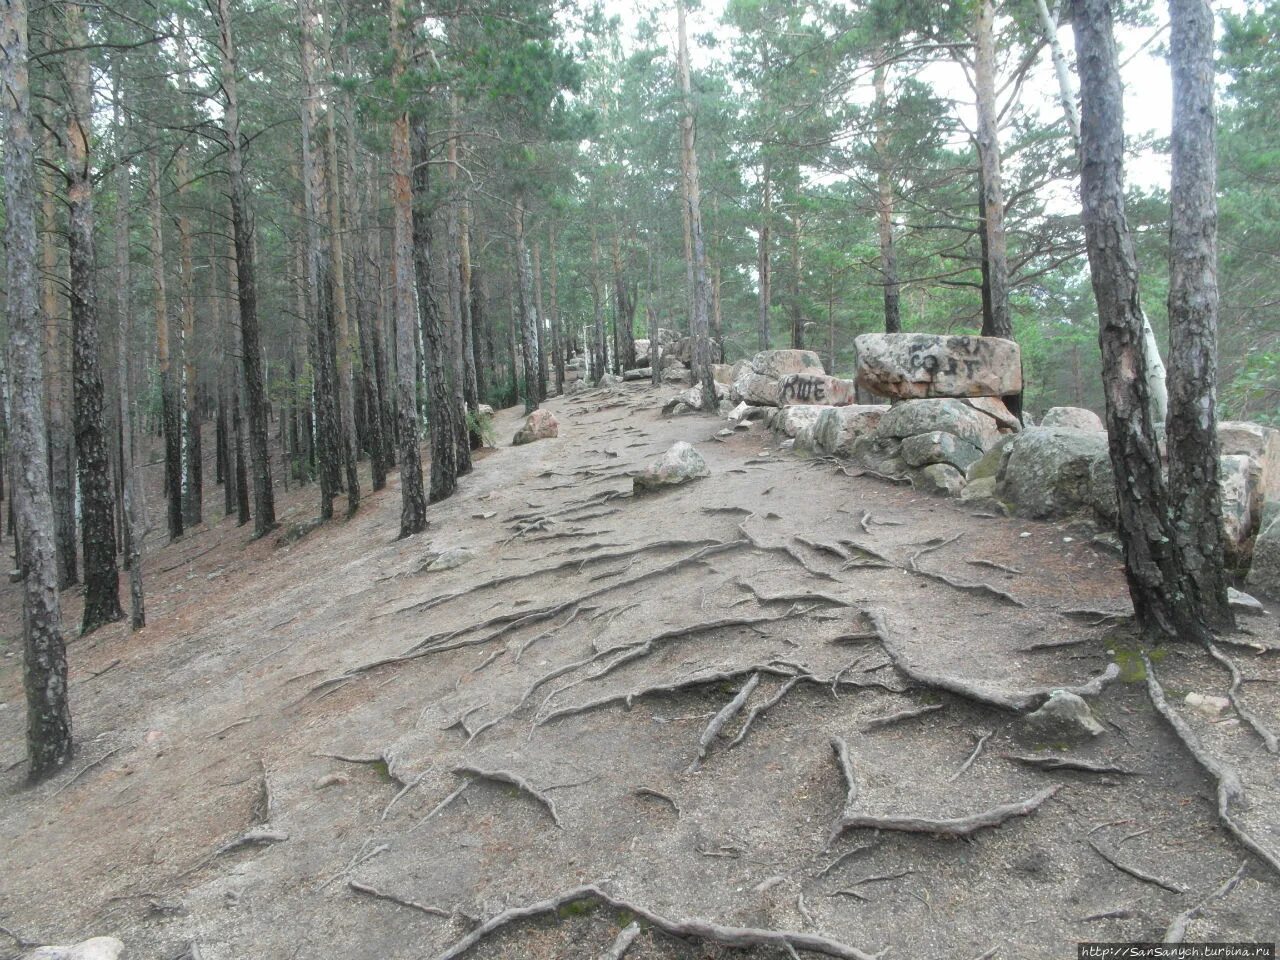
939	478
1073	418
838	427
918	365
776	364
983	488
642	350
1240	483
640	373
756	389
880	454
98	948
938	447
484	410
995	408
675	373
745	412
682	350
1245	602
1264	572
722	373
1064	718
1261	443
610	380
1050	472
992	462
950	416
797	388
539	425
573	385
691	399
791	420
679	464
448	559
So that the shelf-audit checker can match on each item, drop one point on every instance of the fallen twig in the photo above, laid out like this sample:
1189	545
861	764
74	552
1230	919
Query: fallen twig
733	937
1069	763
626	936
972	757
762	708
980	562
727	713
85	769
377	894
1133	871
901	715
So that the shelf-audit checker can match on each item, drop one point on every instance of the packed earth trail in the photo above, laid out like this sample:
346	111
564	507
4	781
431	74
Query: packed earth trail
777	711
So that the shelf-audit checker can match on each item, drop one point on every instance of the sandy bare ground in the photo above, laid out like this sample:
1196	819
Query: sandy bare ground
557	690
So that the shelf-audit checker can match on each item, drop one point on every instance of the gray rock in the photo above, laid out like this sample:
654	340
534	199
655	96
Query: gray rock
756	389
98	948
610	380
675	373
938	447
776	364
1073	418
1064	718
791	420
1245	602
983	488
816	388
680	464
918	365
992	462
1050	472
1264	572
838	427
995	408
539	425
881	454
722	373
1256	441
448	559
639	373
940	478
914	417
1240	483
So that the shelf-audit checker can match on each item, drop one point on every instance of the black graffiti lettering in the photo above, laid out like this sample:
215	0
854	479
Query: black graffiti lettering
803	389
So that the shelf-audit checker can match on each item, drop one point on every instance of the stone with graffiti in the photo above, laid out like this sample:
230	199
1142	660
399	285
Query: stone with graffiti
913	366
804	388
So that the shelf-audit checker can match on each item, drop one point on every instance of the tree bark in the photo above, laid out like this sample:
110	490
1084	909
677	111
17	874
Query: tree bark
193	492
764	270
436	340
1194	494
599	352
264	519
557	338
44	653
700	321
528	314
57	368
624	305
1158	583
342	319
793	300
170	424
884	203
541	325
413	505
457	303
996	323
93	465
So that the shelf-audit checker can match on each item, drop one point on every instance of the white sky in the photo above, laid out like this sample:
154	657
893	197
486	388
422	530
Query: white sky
1148	88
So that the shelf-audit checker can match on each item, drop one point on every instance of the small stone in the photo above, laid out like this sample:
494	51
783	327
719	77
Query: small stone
678	465
1243	601
940	478
939	447
1024	534
447	559
1064	717
332	780
1073	418
539	425
726	432
98	948
1207	704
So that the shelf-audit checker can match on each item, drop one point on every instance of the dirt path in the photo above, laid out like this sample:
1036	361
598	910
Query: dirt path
583	653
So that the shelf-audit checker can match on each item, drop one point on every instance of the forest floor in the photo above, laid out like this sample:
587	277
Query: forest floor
262	772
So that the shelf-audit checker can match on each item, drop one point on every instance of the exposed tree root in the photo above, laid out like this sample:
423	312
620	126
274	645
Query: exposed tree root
834	549
1248	716
622	944
841	750
1052	645
911	714
727	713
731	937
955	827
573	614
980	562
845	857
1230	788
931	546
1134	871
799	596
760	709
658	795
1016	701
972	757
1177	931
1069	763
875	878
982	589
515	780
377	894
454	795
879	558
786	549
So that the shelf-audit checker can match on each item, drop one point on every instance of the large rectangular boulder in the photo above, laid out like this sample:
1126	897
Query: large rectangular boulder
778	363
941	413
838	427
1239	437
755	389
913	366
802	388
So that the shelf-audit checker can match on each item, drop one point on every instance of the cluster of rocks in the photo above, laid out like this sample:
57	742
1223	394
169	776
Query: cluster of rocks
946	428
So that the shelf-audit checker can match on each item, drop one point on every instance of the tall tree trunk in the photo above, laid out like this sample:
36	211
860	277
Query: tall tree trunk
1194	493
435	329
793	298
170	424
342	319
93	464
998	322
413	507
481	335
764	270
471	383
624	303
226	387
542	318
61	438
513	348
700	321
264	513
529	318
1163	594
44	653
598	350
557	339
193	493
134	514
884	203
457	300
